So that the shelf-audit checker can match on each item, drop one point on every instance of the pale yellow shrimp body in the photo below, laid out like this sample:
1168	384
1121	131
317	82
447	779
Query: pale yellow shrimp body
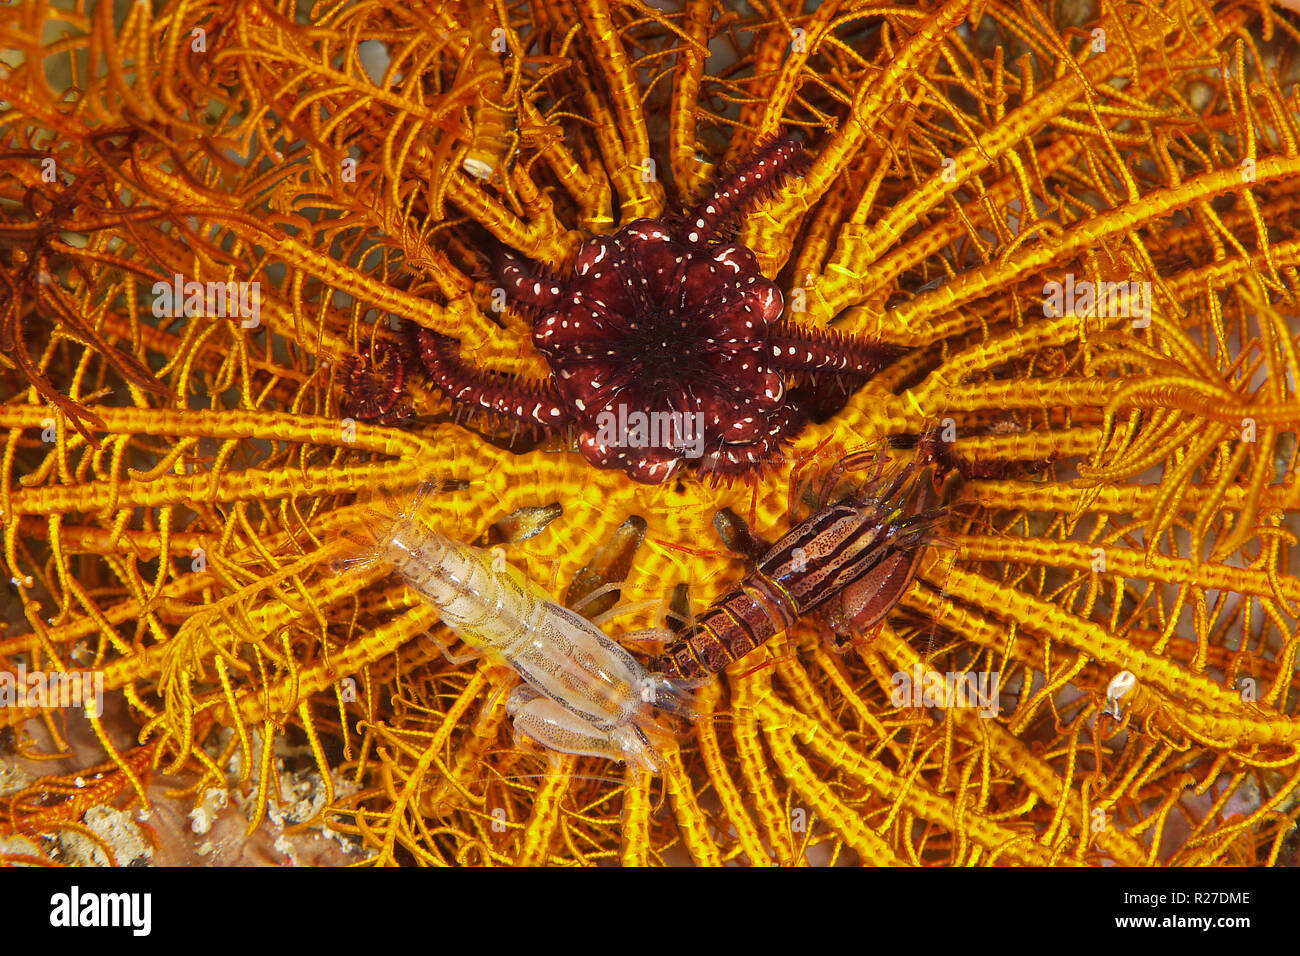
585	693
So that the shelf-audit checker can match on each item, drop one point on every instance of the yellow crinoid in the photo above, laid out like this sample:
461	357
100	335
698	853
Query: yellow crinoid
1080	219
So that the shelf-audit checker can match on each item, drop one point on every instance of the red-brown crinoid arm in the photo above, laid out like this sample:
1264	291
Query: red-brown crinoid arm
767	167
376	389
528	402
528	285
730	460
798	349
650	466
599	304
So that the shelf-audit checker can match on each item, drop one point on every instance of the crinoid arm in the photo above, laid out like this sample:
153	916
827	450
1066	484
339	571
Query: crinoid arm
753	180
932	446
532	403
528	285
376	386
824	351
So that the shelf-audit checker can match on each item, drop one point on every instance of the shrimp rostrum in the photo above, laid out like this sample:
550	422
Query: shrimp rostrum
582	692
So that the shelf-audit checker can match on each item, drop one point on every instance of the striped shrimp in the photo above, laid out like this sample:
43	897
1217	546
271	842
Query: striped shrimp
851	561
582	692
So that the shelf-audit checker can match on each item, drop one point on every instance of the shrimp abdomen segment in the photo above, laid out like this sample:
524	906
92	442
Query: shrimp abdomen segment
570	660
737	623
487	608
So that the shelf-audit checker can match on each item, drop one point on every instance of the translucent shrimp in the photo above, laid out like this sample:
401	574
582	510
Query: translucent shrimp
583	693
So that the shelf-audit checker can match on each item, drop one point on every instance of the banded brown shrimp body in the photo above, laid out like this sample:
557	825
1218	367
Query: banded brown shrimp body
582	692
850	562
